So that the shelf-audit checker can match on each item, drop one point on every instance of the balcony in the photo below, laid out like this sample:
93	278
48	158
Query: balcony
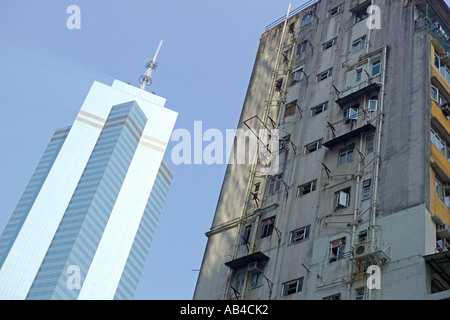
439	119
437	205
440	164
439	208
354	96
436	23
340	139
439	81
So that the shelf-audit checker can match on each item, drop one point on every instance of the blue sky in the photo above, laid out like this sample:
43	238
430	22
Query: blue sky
206	61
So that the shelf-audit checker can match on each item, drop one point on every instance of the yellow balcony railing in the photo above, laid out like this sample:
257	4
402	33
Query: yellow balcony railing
437	205
443	84
439	119
441	164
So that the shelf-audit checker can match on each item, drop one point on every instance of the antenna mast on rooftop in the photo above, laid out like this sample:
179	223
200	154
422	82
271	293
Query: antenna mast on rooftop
146	79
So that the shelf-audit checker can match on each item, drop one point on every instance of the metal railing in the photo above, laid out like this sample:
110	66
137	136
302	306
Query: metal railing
430	19
291	14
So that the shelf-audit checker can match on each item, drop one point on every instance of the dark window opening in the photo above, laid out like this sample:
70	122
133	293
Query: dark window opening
267	227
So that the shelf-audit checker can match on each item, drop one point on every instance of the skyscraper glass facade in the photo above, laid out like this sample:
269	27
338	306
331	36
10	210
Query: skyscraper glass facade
32	190
92	206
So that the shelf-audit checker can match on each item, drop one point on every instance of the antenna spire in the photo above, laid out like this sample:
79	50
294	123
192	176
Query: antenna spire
146	79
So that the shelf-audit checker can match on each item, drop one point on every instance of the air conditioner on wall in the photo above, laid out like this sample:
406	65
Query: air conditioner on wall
351	114
363	249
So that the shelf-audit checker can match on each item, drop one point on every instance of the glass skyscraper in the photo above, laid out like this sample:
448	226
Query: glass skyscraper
83	227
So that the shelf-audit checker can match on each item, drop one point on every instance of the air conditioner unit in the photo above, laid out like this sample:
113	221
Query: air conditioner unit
254	266
351	114
363	249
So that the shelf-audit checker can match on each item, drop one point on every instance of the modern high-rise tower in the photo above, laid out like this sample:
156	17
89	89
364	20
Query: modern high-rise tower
84	225
357	93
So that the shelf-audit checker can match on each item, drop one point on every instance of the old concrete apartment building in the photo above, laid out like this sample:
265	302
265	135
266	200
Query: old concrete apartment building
359	98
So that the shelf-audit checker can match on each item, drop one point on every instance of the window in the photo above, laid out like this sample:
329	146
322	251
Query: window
376	68
373	105
442	192
299	235
342	199
333	297
256	188
267	227
306	188
240	281
307	19
359	293
440	142
435	93
324	75
361	15
351	114
359	75
337	249
359	44
292	29
437	60
319	109
438	188
442	101
335	11
441	66
312	147
246	234
296	76
257	278
346	154
445	70
290	109
275	184
329	44
370	144
367	186
301	47
279	85
292	287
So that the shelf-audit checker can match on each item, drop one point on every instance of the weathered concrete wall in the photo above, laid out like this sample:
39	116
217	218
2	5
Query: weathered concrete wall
220	246
403	277
403	218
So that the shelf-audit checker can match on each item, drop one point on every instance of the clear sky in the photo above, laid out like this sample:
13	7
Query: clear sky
206	61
